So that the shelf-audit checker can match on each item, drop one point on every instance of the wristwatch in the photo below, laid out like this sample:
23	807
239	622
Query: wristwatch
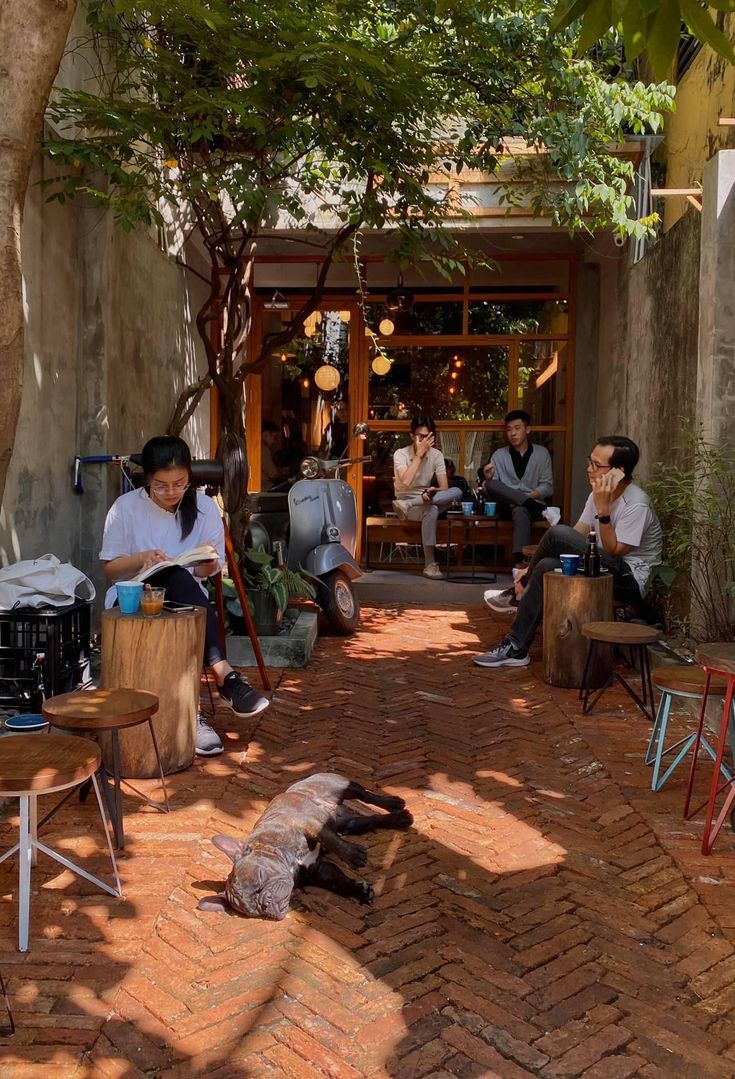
603	518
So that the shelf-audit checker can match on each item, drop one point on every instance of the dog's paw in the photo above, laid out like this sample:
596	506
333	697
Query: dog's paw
355	856
402	819
366	894
394	804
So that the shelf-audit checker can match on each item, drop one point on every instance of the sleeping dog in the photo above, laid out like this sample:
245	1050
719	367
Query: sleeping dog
284	849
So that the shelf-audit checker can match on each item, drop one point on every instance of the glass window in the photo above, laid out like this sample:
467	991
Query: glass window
377	474
424	318
449	383
542	381
518	316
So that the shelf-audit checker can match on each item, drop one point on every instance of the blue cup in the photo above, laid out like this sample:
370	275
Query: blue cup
128	596
490	509
468	508
569	564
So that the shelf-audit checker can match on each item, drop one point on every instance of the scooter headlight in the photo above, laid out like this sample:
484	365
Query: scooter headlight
332	533
309	468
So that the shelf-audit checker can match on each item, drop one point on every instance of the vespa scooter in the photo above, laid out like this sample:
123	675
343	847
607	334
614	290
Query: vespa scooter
314	528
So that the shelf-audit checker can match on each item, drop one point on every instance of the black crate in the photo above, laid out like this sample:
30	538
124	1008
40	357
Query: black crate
61	635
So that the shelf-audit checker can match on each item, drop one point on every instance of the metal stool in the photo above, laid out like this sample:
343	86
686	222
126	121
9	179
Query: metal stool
624	635
30	766
678	680
108	711
718	661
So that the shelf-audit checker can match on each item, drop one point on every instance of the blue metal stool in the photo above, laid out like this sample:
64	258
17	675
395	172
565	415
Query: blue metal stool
679	680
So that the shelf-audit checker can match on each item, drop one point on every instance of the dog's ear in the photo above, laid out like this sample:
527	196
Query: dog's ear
213	902
233	848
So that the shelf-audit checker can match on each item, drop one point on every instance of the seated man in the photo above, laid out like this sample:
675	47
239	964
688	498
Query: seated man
414	467
629	538
519	477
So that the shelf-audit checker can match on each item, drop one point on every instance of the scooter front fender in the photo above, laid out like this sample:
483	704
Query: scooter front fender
331	556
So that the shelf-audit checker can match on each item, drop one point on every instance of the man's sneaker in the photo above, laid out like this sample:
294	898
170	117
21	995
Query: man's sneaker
504	602
208	742
506	654
433	571
237	693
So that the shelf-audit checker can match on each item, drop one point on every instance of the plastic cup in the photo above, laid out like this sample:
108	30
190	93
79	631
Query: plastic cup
490	509
569	564
467	508
128	596
151	602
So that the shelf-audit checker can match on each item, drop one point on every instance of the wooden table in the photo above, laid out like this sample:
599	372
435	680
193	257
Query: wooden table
569	602
163	655
470	532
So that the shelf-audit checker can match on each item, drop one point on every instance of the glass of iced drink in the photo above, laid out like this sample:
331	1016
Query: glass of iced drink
151	602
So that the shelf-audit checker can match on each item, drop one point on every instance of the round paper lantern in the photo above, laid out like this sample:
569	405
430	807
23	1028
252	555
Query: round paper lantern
327	377
345	315
381	365
386	327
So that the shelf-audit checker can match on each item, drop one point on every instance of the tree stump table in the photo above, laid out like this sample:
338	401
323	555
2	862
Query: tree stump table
163	655
569	602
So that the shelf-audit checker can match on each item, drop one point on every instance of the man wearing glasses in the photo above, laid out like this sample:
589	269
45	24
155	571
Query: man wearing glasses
629	538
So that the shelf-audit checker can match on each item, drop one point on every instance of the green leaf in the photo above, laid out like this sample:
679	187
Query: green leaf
663	38
702	26
634	24
566	12
597	20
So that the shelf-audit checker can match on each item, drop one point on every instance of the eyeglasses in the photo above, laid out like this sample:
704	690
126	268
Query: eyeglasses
165	488
595	466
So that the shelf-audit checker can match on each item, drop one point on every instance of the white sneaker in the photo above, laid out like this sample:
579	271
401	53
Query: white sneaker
504	602
433	571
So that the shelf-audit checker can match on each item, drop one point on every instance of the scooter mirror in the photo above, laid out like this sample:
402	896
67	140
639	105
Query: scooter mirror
309	468
361	430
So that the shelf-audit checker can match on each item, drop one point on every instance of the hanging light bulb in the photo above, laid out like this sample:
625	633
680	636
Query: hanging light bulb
381	365
452	389
284	357
386	327
454	374
327	377
305	383
457	362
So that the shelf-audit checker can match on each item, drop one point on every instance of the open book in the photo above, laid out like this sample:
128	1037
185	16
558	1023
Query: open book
204	553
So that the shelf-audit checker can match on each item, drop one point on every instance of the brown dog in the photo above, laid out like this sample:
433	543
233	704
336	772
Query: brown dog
283	850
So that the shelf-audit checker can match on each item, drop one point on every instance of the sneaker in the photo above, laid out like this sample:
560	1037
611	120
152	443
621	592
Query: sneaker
504	602
433	571
506	654
237	693
208	743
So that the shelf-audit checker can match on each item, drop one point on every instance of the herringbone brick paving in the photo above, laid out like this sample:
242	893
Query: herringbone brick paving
547	915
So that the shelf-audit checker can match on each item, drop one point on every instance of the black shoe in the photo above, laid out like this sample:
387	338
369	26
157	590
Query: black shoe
506	654
208	742
237	693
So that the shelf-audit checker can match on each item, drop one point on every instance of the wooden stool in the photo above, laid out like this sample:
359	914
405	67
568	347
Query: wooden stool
569	602
164	656
105	712
30	766
718	661
678	680
625	635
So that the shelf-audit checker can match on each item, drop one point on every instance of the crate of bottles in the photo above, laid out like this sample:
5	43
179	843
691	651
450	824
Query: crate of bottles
43	652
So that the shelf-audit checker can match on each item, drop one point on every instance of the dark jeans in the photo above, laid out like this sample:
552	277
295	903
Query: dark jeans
521	514
562	540
182	587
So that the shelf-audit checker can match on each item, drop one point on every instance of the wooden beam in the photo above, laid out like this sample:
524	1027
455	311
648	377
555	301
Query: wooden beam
662	192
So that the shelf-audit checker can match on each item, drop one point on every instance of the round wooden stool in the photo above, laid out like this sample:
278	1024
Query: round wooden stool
718	661
606	636
684	680
105	712
30	766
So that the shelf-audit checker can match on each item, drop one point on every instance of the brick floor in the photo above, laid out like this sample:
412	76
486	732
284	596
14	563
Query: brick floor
548	915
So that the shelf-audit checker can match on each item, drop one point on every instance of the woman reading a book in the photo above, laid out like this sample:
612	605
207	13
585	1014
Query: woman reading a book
164	524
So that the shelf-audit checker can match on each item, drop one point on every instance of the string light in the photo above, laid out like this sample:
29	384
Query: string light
305	383
454	374
386	327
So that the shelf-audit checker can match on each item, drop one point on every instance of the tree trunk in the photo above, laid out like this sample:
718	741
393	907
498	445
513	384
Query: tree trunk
569	602
33	34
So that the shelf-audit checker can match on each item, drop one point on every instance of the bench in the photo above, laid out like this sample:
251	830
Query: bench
391	530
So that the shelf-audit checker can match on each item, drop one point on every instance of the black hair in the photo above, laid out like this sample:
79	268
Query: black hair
269	425
625	453
518	414
165	451
423	421
448	463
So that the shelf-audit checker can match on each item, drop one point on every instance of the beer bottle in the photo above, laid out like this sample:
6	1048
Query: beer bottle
592	566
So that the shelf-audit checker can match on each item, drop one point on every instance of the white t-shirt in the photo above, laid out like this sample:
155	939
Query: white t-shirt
432	465
635	524
135	523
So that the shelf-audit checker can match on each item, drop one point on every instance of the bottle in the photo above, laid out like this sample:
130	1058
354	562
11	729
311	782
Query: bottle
38	694
592	566
479	500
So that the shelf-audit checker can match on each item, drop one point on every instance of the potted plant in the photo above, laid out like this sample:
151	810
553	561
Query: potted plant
270	587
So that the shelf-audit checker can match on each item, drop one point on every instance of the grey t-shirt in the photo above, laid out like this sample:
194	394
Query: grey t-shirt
635	524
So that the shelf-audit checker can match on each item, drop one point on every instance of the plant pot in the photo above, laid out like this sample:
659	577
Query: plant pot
266	615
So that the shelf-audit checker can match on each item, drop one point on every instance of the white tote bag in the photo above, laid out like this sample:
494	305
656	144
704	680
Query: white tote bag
42	582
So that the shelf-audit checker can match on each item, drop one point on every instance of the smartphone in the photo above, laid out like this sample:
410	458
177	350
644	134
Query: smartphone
172	605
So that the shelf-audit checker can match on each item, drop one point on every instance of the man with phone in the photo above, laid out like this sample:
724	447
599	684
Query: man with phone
417	499
629	538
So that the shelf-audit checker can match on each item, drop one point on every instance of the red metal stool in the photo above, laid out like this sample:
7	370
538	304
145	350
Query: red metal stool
718	661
